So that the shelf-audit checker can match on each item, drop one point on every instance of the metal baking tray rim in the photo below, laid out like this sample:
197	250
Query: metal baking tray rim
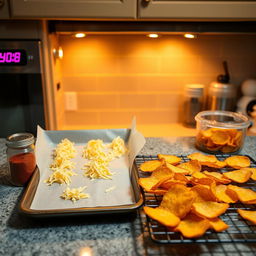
28	195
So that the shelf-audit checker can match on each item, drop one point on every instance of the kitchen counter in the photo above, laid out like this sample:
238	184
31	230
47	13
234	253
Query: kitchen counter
100	235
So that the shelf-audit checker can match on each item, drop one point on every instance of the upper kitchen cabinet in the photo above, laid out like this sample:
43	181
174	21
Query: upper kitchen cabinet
4	10
196	10
78	9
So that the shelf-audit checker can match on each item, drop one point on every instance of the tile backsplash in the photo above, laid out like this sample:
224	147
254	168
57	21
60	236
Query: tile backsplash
116	77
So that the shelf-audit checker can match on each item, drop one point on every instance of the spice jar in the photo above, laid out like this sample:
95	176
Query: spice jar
193	103
21	157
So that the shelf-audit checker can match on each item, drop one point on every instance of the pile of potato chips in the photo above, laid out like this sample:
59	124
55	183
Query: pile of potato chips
216	139
194	195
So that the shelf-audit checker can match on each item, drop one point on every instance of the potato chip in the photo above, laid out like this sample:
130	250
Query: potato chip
150	166
178	200
245	195
218	177
171	159
176	169
218	164
239	176
201	158
209	209
253	172
193	226
207	160
229	148
221	195
238	162
162	215
191	166
220	137
158	191
169	183
203	193
200	178
218	225
156	178
248	215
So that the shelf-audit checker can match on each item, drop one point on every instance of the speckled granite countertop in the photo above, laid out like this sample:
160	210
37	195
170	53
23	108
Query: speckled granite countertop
101	235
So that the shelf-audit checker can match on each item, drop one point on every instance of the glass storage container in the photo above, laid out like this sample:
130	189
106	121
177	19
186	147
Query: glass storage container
220	131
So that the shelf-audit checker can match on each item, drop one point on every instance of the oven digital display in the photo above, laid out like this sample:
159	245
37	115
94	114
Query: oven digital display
12	57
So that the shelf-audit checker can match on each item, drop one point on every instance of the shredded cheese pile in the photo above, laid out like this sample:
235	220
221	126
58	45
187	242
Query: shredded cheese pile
62	165
74	194
100	155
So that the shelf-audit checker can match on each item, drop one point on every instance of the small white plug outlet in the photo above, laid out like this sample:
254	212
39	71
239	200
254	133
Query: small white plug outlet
70	100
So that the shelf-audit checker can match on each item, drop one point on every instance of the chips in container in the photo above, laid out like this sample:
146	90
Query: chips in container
220	131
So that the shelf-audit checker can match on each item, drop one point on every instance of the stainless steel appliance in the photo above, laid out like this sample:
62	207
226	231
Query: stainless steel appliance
21	94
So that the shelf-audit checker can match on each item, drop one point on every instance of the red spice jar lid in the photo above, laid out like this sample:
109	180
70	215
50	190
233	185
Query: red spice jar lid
20	140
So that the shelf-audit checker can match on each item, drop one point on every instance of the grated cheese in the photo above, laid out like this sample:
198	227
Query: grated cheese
118	147
100	155
74	194
110	189
62	165
98	169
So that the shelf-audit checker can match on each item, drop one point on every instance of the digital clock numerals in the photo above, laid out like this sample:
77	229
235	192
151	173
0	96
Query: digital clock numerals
10	57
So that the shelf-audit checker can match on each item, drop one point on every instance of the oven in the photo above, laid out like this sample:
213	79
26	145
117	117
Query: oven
21	81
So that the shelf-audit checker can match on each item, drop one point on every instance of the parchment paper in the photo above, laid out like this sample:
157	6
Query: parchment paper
48	197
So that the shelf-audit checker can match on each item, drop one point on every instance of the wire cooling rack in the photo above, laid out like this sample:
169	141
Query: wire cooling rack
239	231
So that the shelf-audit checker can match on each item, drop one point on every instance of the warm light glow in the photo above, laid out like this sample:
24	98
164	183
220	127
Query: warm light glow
86	251
80	35
153	35
189	35
60	53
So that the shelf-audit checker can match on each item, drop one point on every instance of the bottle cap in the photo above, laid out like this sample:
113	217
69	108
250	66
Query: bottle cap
20	140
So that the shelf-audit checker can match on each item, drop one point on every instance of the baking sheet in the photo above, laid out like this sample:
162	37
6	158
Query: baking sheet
48	197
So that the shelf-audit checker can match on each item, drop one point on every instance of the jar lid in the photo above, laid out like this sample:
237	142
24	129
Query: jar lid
194	90
20	140
223	119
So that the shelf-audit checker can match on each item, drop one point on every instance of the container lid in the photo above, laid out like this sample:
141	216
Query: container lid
222	90
20	140
223	119
194	90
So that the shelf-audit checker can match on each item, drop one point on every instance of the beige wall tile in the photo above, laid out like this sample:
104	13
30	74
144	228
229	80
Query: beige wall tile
81	118
80	83
97	101
119	76
137	101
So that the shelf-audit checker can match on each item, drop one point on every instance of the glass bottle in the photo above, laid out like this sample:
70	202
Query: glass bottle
193	103
20	157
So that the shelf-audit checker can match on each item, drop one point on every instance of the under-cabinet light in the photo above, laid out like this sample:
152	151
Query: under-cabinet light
80	35
188	35
58	53
153	35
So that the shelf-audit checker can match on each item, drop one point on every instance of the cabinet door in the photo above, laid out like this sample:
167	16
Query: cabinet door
4	12
84	9
196	10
